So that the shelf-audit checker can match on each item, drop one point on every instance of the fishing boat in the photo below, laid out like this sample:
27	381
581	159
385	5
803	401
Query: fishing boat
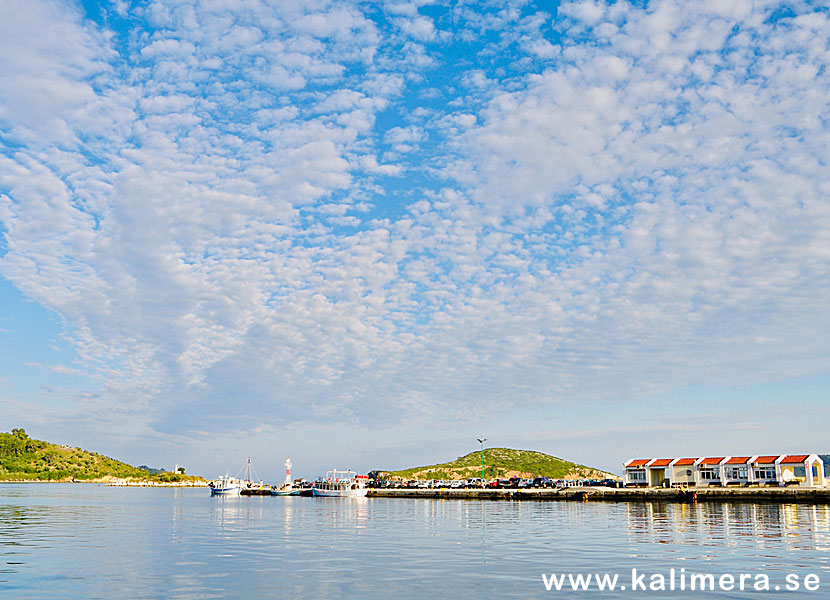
251	486
233	486
225	486
341	484
287	488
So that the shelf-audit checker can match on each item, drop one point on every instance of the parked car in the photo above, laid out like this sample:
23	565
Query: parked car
542	482
456	484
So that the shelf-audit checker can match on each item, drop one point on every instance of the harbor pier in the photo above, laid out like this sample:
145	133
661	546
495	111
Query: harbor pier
595	494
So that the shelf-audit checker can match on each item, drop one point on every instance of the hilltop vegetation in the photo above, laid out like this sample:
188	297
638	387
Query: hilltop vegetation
501	462
24	458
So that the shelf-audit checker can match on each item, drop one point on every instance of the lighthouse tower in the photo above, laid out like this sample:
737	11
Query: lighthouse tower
288	480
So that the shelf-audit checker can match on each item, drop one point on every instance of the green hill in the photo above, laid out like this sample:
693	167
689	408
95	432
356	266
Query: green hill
24	458
501	462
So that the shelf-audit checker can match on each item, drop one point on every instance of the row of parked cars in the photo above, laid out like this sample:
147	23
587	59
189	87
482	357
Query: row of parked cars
426	483
511	483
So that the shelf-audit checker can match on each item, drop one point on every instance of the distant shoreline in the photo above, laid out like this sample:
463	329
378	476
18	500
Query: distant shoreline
113	482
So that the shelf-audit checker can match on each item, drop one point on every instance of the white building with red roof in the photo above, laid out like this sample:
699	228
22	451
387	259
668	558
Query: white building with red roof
806	470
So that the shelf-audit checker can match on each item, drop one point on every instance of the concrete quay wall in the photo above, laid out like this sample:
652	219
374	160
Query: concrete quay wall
591	494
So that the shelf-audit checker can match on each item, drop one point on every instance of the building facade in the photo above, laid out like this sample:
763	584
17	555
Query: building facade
806	470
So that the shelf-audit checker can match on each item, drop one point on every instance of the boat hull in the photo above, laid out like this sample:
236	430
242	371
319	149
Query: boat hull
285	492
225	491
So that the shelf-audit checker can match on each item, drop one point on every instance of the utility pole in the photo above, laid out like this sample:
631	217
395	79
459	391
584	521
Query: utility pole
481	441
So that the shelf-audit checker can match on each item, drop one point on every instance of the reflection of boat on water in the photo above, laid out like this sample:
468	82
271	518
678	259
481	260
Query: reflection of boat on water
341	484
287	488
225	486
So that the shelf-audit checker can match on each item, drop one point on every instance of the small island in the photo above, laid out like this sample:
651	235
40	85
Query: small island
501	462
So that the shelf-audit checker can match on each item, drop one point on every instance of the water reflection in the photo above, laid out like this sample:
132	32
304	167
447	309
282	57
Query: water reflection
182	543
796	526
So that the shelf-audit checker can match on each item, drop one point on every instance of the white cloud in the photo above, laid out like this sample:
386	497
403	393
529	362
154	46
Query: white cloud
206	206
420	28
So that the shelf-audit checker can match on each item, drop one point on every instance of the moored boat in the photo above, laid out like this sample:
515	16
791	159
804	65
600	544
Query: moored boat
234	486
287	488
341	484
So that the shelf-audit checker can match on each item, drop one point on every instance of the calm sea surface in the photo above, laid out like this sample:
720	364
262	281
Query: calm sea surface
92	541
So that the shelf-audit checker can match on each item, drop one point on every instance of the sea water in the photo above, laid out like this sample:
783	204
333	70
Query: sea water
92	541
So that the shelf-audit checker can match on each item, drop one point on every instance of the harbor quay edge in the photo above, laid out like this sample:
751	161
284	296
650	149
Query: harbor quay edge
780	495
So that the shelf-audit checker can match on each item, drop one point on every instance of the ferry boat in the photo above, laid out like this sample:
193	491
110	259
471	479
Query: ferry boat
225	486
341	484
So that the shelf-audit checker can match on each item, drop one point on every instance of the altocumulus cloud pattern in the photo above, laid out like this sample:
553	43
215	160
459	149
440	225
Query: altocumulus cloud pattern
388	211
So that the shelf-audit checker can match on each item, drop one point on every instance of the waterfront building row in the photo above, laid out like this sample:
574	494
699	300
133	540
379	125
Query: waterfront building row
781	469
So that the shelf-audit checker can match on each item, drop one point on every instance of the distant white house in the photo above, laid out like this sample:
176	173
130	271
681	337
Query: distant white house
806	470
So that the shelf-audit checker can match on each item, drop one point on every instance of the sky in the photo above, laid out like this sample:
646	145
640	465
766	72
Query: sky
363	234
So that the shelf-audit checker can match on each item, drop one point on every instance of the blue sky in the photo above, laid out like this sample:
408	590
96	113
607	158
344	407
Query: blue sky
363	233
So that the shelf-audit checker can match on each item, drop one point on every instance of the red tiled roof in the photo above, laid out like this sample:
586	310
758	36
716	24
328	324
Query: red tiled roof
766	460
712	460
637	462
661	462
684	462
738	460
795	459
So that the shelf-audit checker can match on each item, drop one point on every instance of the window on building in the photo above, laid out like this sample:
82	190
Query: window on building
765	473
736	472
709	474
637	475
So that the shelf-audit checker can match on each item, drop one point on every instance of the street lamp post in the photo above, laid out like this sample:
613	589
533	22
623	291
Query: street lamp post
481	441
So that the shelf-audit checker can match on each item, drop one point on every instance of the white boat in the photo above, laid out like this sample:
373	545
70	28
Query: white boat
341	484
233	486
225	486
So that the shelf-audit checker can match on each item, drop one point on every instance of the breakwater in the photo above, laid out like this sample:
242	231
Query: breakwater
596	494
